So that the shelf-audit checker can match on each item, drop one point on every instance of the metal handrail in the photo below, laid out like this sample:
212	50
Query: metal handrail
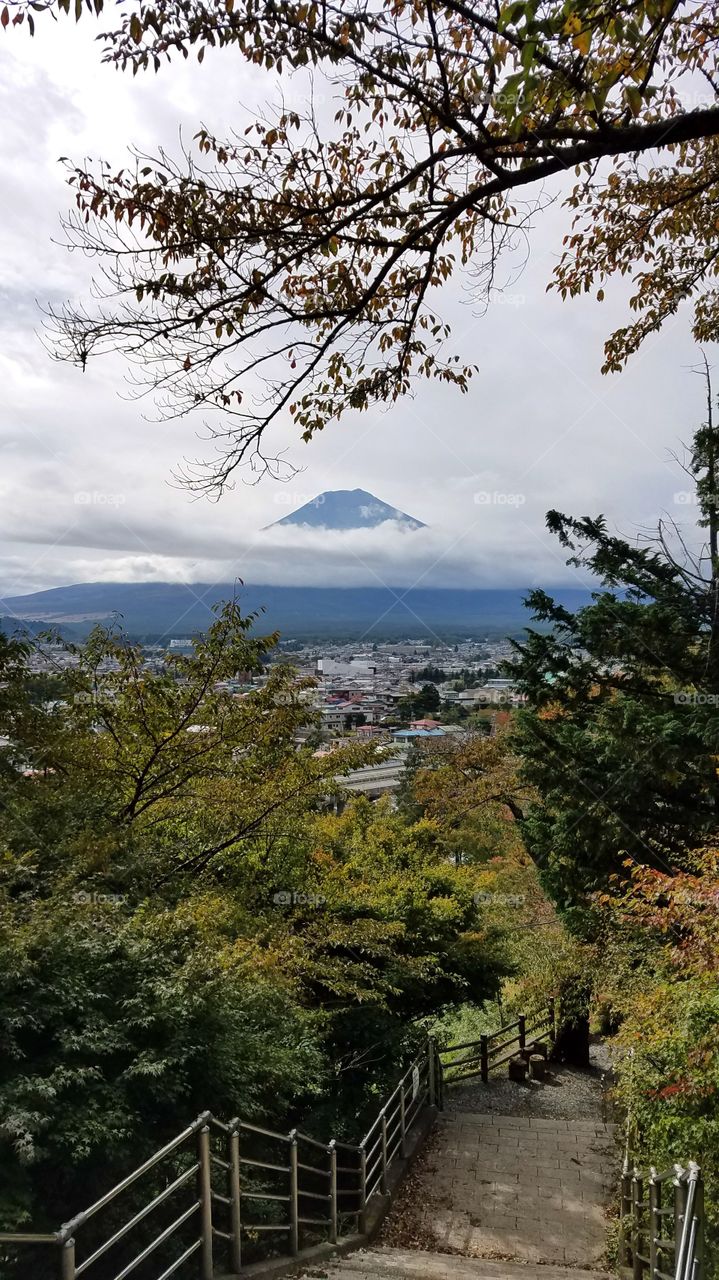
164	1195
662	1241
68	1227
221	1222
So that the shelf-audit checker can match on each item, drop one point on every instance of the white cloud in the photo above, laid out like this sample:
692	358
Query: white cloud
86	479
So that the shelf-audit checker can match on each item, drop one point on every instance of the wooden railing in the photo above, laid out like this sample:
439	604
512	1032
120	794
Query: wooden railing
663	1223
486	1054
221	1193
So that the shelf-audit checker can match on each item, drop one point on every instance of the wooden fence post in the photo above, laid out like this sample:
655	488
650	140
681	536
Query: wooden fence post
431	1071
333	1192
438	1076
484	1058
522	1020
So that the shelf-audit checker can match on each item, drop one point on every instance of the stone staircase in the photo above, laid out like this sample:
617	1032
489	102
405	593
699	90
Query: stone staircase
496	1197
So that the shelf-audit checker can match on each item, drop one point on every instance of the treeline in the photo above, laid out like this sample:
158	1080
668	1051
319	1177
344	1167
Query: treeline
466	678
185	922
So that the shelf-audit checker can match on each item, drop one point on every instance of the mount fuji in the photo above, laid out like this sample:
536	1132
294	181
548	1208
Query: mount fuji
346	509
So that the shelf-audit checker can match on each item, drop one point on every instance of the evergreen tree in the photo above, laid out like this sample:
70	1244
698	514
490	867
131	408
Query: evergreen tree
621	735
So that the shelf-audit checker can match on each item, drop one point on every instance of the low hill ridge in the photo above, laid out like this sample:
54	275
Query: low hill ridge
166	609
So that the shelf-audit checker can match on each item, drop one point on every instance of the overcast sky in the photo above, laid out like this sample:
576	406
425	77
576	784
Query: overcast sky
86	481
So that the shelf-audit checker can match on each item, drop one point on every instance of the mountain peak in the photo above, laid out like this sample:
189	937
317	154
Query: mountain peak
347	509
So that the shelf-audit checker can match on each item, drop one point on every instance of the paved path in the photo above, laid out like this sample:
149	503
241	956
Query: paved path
510	1187
496	1196
568	1093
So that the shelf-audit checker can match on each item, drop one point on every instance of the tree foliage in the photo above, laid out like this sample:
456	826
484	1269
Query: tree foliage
469	773
308	253
657	981
184	923
621	737
424	703
149	777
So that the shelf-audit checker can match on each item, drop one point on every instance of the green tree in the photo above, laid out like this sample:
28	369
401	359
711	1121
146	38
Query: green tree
149	779
418	706
355	719
181	925
421	705
119	1026
417	935
621	736
312	256
134	979
434	674
656	982
472	788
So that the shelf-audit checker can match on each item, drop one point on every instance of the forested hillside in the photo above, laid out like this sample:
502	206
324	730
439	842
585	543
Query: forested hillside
193	913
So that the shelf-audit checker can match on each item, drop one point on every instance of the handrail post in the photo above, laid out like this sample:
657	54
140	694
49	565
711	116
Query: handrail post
333	1191
383	1182
679	1213
431	1072
689	1245
294	1197
204	1187
625	1215
637	1264
522	1021
484	1058
655	1218
67	1260
235	1197
362	1217
699	1273
402	1121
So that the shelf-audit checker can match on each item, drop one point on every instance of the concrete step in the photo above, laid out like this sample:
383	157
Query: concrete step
404	1264
525	1124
